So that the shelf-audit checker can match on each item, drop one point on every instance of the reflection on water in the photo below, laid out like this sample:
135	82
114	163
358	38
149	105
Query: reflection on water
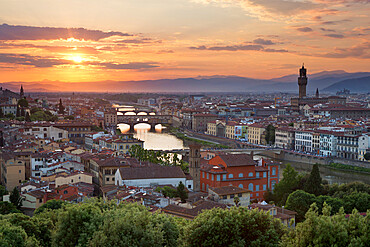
157	140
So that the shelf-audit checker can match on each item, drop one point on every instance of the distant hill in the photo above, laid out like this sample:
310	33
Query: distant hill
216	83
319	80
356	85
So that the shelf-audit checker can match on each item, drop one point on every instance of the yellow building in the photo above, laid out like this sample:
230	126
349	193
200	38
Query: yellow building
256	134
12	171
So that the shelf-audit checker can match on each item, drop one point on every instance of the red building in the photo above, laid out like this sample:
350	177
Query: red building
242	171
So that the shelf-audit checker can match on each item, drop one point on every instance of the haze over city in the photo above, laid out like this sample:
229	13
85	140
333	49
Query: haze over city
87	41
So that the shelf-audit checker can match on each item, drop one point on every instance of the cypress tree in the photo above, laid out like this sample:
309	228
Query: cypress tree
181	192
313	184
18	114
27	117
60	107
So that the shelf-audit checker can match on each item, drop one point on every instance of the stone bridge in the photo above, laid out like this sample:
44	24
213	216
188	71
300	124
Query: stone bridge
153	120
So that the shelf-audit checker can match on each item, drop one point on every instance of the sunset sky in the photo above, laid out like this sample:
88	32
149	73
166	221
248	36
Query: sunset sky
94	40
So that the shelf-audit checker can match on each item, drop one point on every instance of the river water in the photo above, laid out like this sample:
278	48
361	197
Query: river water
161	140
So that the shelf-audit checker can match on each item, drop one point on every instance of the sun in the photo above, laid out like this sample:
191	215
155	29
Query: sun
76	58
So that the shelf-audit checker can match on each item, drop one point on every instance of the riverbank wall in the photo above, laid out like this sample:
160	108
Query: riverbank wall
301	158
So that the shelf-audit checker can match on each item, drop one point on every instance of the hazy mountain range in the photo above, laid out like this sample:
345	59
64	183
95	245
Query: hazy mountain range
327	81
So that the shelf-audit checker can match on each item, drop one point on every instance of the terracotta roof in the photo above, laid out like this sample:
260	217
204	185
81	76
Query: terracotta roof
151	172
238	159
191	213
227	190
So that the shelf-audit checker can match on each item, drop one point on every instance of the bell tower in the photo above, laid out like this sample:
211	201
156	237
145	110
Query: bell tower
194	165
302	82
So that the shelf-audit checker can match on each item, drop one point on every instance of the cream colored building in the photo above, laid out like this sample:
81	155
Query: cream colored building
227	194
73	178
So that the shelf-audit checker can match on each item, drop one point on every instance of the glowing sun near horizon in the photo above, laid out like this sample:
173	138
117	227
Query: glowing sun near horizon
76	58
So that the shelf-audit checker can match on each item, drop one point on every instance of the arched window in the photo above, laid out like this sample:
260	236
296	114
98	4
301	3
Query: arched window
231	175
250	174
250	187
240	175
240	186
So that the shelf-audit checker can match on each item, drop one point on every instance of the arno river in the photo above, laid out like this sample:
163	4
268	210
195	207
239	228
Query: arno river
160	140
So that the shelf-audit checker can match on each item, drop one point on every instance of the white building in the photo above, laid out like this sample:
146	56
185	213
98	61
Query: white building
303	141
150	176
363	146
328	144
44	131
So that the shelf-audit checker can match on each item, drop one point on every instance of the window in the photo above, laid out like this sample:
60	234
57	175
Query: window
213	177
264	187
250	174
224	197
240	186
203	186
40	200
257	174
207	175
203	174
232	196
231	175
240	175
218	177
240	195
257	187
274	171
273	184
107	179
65	192
250	187
224	177
20	171
189	186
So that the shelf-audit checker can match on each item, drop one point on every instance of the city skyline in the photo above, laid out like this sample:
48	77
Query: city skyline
144	40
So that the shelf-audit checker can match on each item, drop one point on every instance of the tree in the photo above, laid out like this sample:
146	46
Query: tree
313	184
3	191
167	191
50	205
236	226
23	112
287	184
76	225
60	107
356	200
23	103
367	156
27	117
327	230
12	235
18	114
270	134
300	201
15	198
181	192
8	208
10	116
134	225
1	113
35	228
